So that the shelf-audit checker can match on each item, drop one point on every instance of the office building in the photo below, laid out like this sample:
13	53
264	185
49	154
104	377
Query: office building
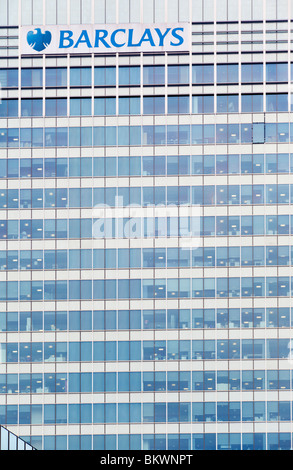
145	223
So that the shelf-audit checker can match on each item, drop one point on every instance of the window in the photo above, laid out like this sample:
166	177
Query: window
153	105
178	74
154	75
104	106
4	438
251	73
277	102
202	104
80	106
290	66
178	104
56	77
32	78
227	73
129	105
8	108
129	76
80	76
202	74
9	78
227	103
56	107
32	107
276	72
252	103
105	76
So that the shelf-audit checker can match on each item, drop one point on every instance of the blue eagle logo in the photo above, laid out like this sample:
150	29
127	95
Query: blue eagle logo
38	40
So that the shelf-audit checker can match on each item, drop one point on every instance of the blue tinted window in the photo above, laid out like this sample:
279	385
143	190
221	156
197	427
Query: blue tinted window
105	76
32	78
202	74
202	104
129	105
154	75
178	74
56	77
56	107
8	108
153	105
251	73
277	72
104	106
252	103
129	76
32	107
9	78
227	103
80	76
178	104
80	106
227	73
277	102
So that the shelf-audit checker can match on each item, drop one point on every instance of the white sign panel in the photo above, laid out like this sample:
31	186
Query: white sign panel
86	39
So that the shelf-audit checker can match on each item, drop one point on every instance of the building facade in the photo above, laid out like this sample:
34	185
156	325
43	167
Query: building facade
145	225
9	441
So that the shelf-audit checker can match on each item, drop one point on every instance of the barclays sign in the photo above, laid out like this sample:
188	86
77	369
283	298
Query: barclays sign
87	39
38	40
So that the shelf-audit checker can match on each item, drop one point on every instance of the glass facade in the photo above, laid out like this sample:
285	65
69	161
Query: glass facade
145	232
9	441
